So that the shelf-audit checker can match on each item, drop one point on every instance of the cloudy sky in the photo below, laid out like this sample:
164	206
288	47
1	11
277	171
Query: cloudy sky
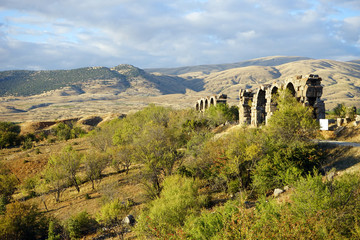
65	34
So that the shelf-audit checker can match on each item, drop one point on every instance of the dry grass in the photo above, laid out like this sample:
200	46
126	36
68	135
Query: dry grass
113	185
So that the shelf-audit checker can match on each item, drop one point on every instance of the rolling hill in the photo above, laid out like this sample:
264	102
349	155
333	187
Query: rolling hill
30	95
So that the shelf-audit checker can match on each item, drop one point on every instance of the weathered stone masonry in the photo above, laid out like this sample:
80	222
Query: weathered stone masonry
257	106
204	103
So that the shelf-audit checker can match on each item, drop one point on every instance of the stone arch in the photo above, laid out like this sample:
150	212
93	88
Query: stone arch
206	104
291	88
197	106
213	101
261	98
201	104
259	108
274	93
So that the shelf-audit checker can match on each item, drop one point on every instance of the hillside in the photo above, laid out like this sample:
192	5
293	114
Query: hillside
49	95
116	80
340	79
206	69
27	83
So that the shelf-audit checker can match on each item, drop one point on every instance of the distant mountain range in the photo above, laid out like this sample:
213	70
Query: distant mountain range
207	69
116	80
341	80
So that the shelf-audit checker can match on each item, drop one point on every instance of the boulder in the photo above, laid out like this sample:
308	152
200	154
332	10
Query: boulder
129	219
277	192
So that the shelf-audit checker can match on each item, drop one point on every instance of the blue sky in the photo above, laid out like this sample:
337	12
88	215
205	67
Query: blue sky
65	34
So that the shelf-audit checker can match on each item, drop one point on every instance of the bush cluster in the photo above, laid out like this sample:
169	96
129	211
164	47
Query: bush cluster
318	210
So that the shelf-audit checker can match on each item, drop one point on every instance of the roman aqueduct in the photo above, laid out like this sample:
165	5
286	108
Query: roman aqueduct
257	105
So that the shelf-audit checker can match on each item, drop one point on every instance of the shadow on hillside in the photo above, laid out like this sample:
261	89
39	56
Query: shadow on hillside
173	85
56	209
339	157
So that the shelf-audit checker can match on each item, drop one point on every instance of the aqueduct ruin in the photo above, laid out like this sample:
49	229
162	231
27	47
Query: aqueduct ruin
204	103
257	105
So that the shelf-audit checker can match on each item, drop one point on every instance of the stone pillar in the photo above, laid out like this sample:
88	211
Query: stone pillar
246	98
319	108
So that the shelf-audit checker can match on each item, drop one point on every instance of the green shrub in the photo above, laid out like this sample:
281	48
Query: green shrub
179	199
66	131
221	113
8	183
9	134
29	186
234	186
284	164
62	131
22	221
27	143
337	200
311	195
80	225
54	230
112	212
210	223
291	121
2	205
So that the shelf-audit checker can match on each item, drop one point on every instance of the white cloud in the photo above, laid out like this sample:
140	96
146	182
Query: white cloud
154	33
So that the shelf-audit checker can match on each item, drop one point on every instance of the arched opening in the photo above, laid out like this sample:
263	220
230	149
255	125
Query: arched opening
197	106
274	96
201	105
290	87
261	107
206	104
212	101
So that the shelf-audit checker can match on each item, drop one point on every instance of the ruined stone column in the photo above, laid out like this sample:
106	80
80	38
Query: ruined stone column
319	109
246	98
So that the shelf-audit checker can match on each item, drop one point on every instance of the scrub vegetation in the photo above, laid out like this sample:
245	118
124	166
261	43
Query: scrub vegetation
201	178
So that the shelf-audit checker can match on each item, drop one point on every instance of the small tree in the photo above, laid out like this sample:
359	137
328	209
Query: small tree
8	183
70	161
62	170
292	121
156	150
55	177
95	164
123	157
288	152
101	138
54	230
340	110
